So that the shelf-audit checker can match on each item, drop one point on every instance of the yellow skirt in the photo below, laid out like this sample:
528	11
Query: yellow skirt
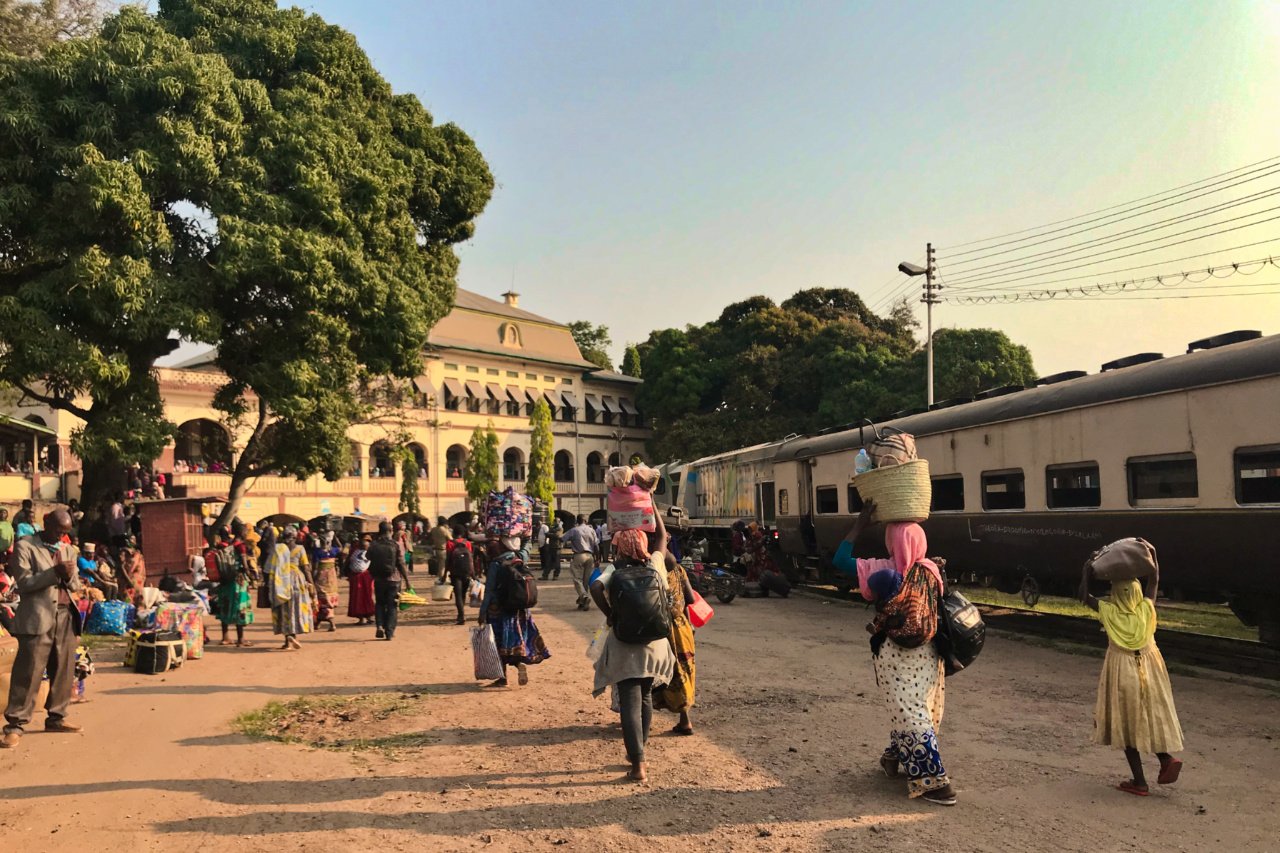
1135	702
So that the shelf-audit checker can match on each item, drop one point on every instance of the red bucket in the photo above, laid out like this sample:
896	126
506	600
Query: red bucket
700	612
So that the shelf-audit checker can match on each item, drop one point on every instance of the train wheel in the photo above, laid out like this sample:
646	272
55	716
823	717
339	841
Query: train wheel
1030	591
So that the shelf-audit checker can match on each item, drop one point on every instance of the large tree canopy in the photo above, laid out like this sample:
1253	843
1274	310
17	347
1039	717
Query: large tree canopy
762	371
593	342
240	174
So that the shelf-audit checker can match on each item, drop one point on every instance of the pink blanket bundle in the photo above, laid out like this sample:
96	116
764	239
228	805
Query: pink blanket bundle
631	508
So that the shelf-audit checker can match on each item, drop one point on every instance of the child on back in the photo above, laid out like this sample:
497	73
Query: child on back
1135	708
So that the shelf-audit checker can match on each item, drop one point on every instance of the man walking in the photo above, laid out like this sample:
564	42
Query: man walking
47	625
585	546
540	539
460	570
439	539
386	560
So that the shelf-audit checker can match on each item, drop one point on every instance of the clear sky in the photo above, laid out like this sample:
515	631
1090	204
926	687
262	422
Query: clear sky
656	161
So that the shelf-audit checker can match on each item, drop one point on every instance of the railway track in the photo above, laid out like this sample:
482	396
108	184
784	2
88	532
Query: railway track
1225	654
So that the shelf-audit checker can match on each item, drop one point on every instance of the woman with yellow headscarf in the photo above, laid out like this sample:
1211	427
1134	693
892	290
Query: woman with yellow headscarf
1135	700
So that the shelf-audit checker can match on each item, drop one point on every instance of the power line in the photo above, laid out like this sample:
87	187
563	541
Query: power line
1102	273
976	300
985	277
1147	227
1112	207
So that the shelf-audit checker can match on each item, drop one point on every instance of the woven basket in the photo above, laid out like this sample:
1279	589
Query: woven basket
901	492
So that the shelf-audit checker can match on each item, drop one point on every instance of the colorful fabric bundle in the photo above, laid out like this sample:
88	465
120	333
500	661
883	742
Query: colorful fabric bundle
508	513
631	508
187	620
111	618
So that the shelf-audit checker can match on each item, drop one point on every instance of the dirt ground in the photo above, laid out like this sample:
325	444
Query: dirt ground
789	728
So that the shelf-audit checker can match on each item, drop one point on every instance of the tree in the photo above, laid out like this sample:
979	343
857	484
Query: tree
593	342
480	471
408	480
541	482
631	361
28	28
966	361
239	174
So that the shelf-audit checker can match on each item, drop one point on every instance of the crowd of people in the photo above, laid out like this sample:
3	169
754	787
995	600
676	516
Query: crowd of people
646	649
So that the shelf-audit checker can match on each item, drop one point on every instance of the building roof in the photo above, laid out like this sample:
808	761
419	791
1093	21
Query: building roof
205	359
9	422
610	376
475	302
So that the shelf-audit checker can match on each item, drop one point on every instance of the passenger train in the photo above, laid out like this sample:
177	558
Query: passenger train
1027	482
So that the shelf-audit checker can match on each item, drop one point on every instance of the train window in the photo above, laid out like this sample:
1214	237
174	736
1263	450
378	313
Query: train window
662	487
855	500
948	494
784	502
1160	480
827	500
1072	486
1004	490
1258	476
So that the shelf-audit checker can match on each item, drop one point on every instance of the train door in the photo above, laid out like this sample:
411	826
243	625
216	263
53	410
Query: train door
766	504
804	495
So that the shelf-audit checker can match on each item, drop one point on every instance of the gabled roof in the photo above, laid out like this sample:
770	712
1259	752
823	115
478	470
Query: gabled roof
475	302
610	376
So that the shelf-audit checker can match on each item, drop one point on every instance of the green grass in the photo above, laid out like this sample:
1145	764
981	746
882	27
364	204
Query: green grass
102	642
335	722
1214	619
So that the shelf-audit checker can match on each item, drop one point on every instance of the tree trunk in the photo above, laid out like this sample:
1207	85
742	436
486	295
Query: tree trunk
244	471
100	480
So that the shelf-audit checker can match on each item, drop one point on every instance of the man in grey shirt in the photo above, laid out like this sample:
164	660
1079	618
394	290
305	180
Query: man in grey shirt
585	545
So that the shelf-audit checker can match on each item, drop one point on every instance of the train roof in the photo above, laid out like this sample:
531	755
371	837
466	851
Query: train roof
1237	362
746	454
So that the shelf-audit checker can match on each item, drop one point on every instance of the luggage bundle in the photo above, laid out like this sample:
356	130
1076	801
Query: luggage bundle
1124	559
508	513
157	651
891	474
112	618
630	500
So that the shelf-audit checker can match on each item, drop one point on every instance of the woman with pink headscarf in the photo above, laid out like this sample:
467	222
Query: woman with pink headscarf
907	666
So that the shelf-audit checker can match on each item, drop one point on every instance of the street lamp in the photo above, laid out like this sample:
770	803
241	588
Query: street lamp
929	299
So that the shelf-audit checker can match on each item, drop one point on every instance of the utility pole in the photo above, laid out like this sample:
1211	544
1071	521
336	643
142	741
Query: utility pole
929	299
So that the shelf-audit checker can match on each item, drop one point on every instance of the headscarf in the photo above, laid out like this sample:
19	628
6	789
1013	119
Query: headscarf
907	546
632	544
1128	617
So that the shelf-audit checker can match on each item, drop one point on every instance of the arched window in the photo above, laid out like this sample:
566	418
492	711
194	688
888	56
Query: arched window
563	467
381	463
454	458
357	457
615	460
513	464
35	419
204	446
420	460
595	467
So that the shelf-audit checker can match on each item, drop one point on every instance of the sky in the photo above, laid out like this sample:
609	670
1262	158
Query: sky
657	161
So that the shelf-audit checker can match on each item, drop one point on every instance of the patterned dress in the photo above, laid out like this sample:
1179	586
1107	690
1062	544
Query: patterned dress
231	601
677	696
291	605
326	574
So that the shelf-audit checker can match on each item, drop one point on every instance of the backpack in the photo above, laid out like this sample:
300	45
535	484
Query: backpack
460	563
517	590
961	632
641	606
228	564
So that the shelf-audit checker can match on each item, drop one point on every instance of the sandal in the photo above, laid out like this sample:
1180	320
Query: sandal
889	766
680	730
245	644
940	798
522	675
1169	772
1130	787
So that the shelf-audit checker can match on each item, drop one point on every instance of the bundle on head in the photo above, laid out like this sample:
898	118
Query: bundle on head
892	450
643	475
618	478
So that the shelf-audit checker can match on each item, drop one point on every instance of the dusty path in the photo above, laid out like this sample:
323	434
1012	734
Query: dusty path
789	728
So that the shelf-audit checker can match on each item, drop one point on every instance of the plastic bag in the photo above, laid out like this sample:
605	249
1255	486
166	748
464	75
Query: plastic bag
631	508
475	593
596	647
484	654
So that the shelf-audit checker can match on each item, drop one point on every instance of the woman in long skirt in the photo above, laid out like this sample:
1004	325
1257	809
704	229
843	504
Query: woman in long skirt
908	668
291	610
677	696
520	643
361	605
326	575
1135	708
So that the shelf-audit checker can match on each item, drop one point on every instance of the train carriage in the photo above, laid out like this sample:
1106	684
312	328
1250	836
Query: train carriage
1183	451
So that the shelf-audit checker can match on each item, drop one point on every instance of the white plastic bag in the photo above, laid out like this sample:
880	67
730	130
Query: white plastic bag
596	647
475	593
484	653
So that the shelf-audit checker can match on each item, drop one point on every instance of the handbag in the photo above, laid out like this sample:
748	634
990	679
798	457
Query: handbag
484	654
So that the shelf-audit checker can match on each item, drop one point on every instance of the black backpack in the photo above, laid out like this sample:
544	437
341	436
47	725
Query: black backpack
459	563
228	564
961	632
641	605
517	590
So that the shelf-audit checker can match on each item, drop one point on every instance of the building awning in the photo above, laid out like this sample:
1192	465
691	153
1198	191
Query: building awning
569	400
552	400
455	388
495	392
515	395
610	406
422	386
593	401
627	407
531	395
474	390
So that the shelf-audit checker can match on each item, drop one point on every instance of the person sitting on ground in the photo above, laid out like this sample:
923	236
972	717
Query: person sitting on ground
633	595
1135	700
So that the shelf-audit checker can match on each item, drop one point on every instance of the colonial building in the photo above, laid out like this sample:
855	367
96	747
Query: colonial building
487	362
